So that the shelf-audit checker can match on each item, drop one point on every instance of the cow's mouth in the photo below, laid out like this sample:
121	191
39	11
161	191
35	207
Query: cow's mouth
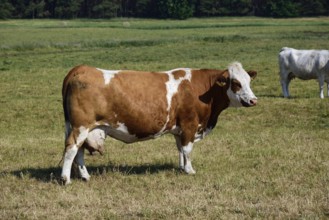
251	103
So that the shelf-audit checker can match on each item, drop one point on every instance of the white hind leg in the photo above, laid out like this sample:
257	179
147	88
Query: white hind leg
79	159
73	142
69	156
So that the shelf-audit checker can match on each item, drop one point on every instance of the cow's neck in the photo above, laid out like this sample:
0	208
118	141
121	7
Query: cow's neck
215	98
219	103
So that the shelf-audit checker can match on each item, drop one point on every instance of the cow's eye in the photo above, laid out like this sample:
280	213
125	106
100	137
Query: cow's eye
236	85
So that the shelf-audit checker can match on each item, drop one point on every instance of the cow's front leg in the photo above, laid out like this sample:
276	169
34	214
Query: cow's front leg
187	149
180	150
79	159
321	85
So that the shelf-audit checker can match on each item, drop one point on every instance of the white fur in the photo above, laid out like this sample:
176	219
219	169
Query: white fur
81	164
188	164
172	86
96	138
121	133
245	93
304	64
108	75
68	160
82	135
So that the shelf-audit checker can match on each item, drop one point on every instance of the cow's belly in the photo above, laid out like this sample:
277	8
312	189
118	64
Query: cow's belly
96	137
121	133
304	74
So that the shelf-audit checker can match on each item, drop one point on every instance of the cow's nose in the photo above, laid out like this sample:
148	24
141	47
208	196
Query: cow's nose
253	101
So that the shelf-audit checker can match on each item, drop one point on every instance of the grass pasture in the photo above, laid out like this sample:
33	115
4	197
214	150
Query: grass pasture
266	162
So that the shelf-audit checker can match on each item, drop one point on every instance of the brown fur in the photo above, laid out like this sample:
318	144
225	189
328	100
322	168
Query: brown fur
138	99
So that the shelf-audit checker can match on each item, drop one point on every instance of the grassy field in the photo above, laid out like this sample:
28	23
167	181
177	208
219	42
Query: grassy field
266	162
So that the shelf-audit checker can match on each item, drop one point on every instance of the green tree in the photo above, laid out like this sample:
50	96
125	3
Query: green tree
224	7
282	8
178	9
68	8
35	9
106	9
145	8
6	9
312	8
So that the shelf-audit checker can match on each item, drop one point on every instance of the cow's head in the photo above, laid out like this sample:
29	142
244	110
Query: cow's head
237	81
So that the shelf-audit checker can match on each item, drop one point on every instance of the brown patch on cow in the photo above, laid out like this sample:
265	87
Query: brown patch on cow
187	112
139	101
235	85
178	74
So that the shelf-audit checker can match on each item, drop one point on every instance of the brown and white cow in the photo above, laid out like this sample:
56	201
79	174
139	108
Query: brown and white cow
133	106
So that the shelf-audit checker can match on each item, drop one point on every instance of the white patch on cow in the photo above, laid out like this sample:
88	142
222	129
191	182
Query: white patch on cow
188	164
83	134
201	135
108	75
188	148
122	127
96	138
172	86
81	164
245	94
68	160
121	133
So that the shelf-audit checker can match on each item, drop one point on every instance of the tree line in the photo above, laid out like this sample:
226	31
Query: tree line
176	9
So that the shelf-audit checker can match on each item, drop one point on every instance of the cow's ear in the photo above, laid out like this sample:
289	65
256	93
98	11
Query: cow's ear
222	80
252	74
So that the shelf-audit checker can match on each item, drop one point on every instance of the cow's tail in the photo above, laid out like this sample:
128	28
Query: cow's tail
65	92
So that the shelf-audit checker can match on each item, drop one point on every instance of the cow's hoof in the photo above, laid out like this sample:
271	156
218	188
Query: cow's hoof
189	170
65	181
85	178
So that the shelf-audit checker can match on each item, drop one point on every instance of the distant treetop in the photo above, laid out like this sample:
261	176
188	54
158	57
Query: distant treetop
176	9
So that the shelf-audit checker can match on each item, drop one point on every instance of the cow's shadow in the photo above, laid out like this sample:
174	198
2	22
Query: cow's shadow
52	174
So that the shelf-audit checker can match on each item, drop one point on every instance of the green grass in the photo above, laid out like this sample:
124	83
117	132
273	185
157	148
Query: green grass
266	162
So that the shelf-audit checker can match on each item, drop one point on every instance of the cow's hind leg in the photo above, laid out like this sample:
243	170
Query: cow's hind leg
285	80
321	85
79	159
73	142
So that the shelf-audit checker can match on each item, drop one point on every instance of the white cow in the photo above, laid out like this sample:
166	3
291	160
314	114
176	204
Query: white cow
303	64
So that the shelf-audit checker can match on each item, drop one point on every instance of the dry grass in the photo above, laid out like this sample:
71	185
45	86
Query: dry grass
266	162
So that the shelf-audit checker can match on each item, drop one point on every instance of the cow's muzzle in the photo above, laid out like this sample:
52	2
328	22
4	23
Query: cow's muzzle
252	102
